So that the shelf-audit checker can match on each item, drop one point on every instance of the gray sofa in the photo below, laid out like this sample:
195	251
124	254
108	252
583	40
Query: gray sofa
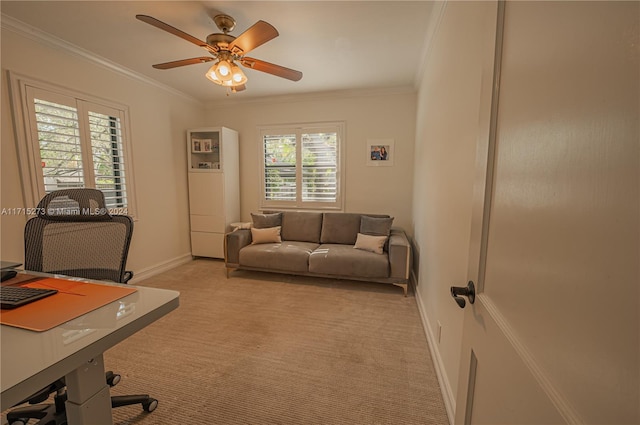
334	245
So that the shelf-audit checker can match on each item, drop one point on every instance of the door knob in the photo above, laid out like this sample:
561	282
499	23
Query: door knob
469	291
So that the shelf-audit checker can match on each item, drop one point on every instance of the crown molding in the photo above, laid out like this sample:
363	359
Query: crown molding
35	34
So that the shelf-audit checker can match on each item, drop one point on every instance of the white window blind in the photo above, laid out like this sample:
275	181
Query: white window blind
319	167
78	143
59	143
108	159
301	167
280	167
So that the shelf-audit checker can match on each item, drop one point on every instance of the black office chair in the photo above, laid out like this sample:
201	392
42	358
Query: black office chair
73	234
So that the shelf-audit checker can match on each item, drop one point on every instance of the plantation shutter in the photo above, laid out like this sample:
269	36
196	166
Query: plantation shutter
301	166
78	143
108	158
319	167
280	167
58	132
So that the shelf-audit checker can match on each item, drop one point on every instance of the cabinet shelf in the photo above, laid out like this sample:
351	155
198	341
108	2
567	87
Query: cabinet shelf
204	150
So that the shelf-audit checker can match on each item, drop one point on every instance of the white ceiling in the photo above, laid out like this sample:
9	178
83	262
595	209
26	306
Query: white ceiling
342	45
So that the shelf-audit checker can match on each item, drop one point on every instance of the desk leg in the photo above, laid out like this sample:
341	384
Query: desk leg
88	398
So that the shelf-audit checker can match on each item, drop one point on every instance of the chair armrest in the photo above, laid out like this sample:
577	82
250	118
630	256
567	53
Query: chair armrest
234	242
399	254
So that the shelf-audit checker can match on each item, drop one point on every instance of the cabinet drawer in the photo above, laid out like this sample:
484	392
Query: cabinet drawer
207	223
207	244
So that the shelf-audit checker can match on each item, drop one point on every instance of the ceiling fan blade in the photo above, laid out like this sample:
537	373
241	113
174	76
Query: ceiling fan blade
183	62
255	36
175	31
270	68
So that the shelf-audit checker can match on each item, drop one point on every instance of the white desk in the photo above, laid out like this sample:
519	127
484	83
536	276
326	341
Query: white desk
32	360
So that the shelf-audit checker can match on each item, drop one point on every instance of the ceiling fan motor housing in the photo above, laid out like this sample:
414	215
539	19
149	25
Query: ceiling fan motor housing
220	40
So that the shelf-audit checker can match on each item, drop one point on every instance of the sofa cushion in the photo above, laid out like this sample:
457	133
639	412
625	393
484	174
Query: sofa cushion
301	226
262	221
267	235
286	256
377	226
340	228
343	260
370	243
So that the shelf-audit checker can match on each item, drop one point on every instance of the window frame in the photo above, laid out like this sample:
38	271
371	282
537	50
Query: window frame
298	129
28	146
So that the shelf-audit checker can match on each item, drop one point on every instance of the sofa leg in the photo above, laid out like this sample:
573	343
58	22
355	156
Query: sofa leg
229	270
404	287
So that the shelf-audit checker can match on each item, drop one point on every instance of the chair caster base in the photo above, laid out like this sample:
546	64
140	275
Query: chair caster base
150	405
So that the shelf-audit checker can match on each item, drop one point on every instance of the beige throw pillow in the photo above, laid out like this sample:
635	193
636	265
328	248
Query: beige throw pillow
370	243
267	235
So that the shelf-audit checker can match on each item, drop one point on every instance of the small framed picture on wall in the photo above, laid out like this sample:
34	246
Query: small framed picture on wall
380	152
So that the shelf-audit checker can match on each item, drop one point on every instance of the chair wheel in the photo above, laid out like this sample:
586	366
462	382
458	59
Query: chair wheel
113	379
150	405
21	421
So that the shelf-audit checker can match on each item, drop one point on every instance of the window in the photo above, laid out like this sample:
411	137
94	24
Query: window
301	166
75	142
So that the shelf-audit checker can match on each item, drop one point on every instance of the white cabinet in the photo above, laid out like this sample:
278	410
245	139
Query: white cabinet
214	189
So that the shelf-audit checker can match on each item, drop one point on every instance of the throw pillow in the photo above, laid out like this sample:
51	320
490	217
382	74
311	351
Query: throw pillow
262	221
370	243
340	228
378	226
267	235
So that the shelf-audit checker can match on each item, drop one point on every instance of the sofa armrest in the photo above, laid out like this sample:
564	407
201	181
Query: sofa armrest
234	242
399	254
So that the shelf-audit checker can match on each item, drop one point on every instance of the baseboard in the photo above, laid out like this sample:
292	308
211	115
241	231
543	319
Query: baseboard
445	388
140	275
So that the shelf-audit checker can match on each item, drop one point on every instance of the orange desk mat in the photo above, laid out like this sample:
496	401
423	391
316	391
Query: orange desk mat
72	300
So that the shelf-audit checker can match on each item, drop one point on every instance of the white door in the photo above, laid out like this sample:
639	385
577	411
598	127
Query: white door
554	333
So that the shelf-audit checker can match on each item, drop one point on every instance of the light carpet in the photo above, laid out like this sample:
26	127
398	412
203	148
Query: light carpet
261	348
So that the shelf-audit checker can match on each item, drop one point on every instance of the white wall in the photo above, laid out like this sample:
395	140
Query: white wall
447	128
386	115
159	120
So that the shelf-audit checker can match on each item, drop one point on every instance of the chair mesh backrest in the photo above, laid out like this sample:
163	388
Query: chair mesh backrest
73	234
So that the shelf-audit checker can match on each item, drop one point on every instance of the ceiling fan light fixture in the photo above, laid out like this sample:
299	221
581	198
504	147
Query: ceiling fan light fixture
211	75
237	75
234	75
223	70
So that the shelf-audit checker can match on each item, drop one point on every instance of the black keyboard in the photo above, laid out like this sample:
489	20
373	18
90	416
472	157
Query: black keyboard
7	274
15	296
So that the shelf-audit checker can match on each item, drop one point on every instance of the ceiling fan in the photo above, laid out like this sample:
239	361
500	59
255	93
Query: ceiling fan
227	50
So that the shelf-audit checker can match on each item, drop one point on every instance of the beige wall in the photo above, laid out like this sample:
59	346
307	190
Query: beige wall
159	120
386	115
447	128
